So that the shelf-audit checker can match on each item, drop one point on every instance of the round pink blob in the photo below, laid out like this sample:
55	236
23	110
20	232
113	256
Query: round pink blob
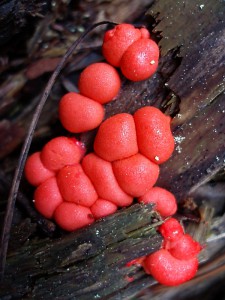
47	197
70	216
35	171
102	208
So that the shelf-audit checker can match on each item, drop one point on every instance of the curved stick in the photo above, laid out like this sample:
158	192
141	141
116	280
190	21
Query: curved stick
26	146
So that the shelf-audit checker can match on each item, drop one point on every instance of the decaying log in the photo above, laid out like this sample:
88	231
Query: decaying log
91	261
199	29
189	85
194	85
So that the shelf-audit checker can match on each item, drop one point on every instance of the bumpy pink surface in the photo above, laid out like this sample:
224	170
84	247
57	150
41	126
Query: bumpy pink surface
117	40
101	174
47	197
102	208
61	151
165	202
78	113
136	174
116	138
100	82
184	248
145	33
169	270
35	171
140	60
171	230
75	186
71	216
154	136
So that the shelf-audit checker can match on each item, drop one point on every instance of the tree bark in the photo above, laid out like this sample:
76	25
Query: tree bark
188	85
87	263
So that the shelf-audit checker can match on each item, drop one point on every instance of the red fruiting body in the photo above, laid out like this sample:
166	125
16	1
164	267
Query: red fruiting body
116	138
100	82
117	40
47	197
35	171
129	150
184	248
171	230
75	186
145	34
100	172
61	151
78	113
154	136
165	202
140	60
136	174
169	270
71	216
102	208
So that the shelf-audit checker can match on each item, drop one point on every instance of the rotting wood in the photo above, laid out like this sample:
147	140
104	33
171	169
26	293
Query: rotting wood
87	262
199	83
200	168
200	150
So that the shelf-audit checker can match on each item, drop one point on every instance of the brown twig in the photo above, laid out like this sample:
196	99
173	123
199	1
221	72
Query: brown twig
26	146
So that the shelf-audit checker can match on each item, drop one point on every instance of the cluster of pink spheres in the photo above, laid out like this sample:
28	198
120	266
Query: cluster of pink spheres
76	189
176	262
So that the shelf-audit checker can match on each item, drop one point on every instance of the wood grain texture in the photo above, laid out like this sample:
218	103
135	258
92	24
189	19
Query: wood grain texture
197	28
189	85
87	262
